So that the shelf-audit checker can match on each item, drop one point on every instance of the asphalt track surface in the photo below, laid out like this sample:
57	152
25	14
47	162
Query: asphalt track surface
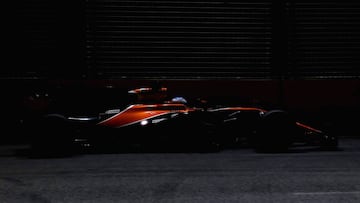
231	175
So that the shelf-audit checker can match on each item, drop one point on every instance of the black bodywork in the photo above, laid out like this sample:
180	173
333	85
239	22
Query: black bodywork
179	125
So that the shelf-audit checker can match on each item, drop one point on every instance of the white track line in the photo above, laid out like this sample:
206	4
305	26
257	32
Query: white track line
328	193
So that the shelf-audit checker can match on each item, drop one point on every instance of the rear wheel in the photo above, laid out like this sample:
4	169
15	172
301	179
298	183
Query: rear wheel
52	137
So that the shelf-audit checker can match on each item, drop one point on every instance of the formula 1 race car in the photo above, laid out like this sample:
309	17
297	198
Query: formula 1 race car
154	120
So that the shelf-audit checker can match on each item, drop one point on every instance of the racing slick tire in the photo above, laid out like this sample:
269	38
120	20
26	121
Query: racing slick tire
52	137
275	132
329	142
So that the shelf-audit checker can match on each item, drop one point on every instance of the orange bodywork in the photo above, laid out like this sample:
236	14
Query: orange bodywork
139	112
308	127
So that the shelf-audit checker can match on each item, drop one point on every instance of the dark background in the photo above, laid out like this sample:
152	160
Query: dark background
82	56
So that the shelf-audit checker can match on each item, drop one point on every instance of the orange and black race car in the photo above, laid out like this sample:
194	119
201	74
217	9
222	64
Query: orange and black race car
154	120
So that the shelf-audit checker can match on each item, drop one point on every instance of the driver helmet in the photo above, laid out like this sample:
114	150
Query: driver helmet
181	100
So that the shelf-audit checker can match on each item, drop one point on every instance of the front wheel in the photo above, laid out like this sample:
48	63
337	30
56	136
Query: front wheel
275	132
329	142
